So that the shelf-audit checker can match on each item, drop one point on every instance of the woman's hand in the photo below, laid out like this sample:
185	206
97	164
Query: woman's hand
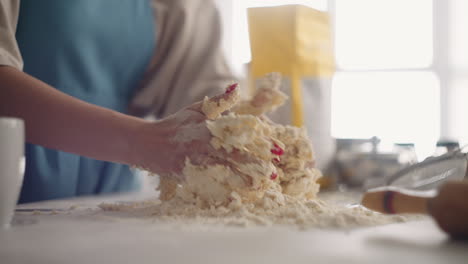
162	147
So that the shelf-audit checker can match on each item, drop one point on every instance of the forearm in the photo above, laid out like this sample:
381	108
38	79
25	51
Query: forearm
56	120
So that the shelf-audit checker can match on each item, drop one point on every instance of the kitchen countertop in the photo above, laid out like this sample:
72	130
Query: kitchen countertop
79	233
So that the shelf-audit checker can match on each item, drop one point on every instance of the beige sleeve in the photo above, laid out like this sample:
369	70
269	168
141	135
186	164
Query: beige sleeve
9	51
188	62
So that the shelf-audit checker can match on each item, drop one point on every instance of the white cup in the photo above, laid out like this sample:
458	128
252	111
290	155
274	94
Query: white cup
12	165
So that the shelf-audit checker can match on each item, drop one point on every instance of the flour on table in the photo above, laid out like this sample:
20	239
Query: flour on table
301	214
278	187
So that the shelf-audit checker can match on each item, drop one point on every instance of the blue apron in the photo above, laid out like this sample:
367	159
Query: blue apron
97	51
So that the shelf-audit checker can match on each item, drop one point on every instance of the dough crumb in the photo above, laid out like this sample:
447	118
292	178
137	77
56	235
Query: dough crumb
267	97
213	107
167	188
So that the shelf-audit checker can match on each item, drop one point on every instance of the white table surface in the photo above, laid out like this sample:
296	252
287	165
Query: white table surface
85	235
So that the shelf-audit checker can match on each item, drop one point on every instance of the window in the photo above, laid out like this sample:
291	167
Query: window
385	85
457	71
391	79
383	34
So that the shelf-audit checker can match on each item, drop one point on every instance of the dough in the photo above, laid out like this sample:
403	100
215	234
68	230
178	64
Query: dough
279	188
284	156
213	108
267	97
167	188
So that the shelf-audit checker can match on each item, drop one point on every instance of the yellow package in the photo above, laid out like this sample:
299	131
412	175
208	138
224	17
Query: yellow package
296	41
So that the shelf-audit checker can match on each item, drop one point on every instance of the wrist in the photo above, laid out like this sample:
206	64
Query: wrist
147	145
128	130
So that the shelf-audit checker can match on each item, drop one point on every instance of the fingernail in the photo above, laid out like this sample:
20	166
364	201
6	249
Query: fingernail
277	150
231	88
273	176
276	160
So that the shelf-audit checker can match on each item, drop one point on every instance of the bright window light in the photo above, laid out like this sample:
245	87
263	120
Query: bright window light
459	34
459	110
395	106
383	34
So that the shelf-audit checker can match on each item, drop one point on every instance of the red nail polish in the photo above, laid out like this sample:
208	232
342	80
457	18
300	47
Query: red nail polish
277	150
273	176
231	88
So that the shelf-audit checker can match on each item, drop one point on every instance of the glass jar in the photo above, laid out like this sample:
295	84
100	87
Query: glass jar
446	145
406	153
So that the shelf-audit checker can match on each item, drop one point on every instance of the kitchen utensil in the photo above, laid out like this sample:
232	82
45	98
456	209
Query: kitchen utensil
432	172
448	207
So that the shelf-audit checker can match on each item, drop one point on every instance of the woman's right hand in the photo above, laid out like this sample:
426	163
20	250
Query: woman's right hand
162	147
